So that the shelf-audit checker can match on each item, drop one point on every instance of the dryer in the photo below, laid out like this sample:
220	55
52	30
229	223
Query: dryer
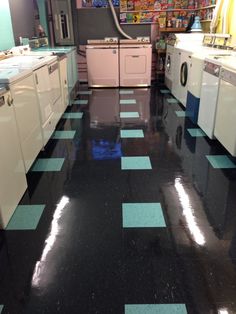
135	62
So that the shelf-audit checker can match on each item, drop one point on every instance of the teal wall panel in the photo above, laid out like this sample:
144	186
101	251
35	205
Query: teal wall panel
6	31
43	15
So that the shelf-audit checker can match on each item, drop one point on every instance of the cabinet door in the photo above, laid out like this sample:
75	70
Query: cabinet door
44	90
12	173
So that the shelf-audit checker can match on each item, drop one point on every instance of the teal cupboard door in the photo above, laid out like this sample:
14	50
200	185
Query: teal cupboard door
6	31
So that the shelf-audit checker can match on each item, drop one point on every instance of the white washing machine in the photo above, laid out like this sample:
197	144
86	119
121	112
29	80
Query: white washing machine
225	126
135	62
209	94
47	85
185	45
20	82
103	62
195	79
13	179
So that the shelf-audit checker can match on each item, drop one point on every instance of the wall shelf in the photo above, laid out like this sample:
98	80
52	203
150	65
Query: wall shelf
161	11
172	30
170	10
207	7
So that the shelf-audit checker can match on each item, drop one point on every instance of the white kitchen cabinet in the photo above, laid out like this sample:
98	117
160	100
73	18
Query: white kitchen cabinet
12	173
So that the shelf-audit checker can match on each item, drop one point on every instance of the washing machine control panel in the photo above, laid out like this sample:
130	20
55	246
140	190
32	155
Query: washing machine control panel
143	39
111	39
211	68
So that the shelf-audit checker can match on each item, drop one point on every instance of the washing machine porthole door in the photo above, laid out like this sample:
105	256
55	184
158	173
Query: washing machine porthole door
184	74
168	63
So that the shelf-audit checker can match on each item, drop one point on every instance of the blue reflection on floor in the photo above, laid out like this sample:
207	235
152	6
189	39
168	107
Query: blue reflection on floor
127	101
132	114
26	217
126	92
1	308
172	101
142	215
220	161
196	132
135	163
85	92
165	91
155	309
105	150
180	113
80	102
63	134
131	133
48	164
72	115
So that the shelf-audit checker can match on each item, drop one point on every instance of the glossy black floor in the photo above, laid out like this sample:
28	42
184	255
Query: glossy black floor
81	260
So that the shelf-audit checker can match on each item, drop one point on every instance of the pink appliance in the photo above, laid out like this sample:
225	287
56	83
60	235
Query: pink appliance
103	62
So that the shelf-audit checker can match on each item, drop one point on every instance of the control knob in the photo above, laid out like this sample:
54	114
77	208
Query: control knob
216	71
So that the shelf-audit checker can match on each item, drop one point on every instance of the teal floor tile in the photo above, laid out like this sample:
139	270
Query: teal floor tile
127	101
196	132
142	215
220	161
64	134
126	92
133	114
72	115
180	113
131	133
1	308
172	101
26	217
135	163
155	309
165	91
80	102
85	92
48	164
